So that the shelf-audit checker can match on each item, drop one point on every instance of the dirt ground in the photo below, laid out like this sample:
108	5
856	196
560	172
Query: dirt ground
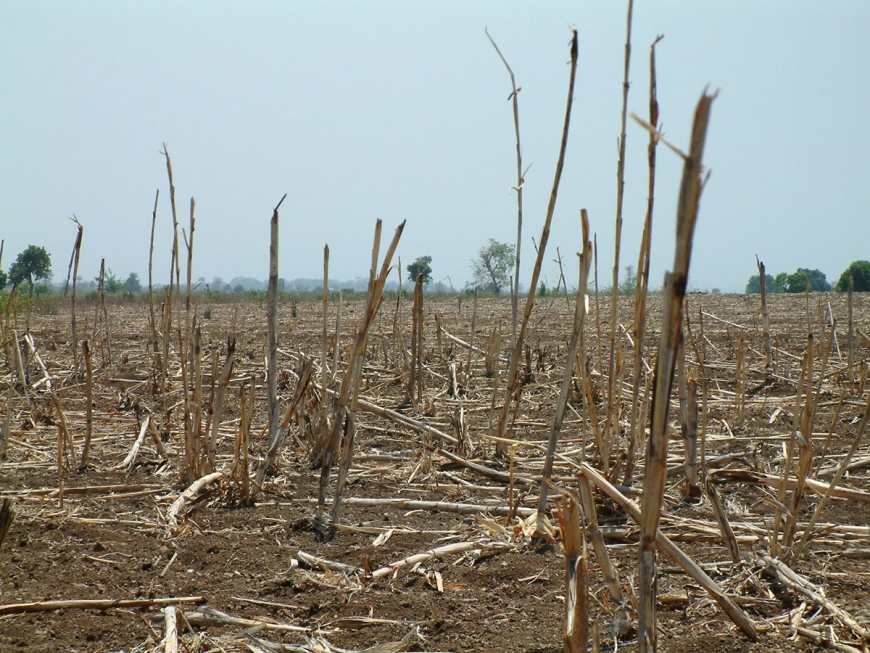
113	539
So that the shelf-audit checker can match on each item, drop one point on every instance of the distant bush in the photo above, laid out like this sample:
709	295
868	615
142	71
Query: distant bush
803	277
754	284
790	283
860	273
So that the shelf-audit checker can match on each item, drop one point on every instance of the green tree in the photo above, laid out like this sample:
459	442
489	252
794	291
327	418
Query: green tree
493	266
422	265
798	281
33	264
3	280
860	273
111	283
781	281
754	284
132	284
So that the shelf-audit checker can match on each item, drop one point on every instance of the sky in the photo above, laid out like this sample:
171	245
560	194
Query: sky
399	110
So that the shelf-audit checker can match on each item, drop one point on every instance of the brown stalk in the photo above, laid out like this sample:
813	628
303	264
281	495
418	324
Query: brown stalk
324	338
608	571
740	379
188	469
667	546
576	632
415	385
641	290
471	336
281	430
74	271
348	396
153	319
841	469
611	415
722	520
173	265
805	451
218	406
519	188
850	337
765	317
573	347
672	318
597	302
690	436
196	419
188	243
272	322
511	388
89	405
59	461
786	470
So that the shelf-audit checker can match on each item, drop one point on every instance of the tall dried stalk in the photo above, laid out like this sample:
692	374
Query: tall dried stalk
89	405
519	188
272	322
690	437
612	412
608	571
805	451
841	469
153	342
740	378
850	335
765	318
324	337
511	387
173	265
576	632
789	459
672	318
344	418
471	336
218	406
415	384
188	243
74	272
573	347
240	459
642	281
277	440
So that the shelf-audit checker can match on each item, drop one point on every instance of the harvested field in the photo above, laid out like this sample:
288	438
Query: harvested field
263	577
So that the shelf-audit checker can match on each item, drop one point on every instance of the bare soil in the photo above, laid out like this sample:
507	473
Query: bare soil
506	596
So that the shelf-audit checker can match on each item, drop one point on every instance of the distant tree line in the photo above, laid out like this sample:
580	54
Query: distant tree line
804	279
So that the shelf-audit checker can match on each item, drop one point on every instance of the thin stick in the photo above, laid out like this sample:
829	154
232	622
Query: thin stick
519	189
272	320
74	269
765	317
611	415
513	372
223	384
89	406
662	541
643	259
573	347
153	319
841	469
94	604
576	629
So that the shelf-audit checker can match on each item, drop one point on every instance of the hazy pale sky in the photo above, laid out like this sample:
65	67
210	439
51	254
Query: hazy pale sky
398	110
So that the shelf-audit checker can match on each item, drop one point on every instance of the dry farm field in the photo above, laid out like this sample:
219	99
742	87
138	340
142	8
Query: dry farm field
174	536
